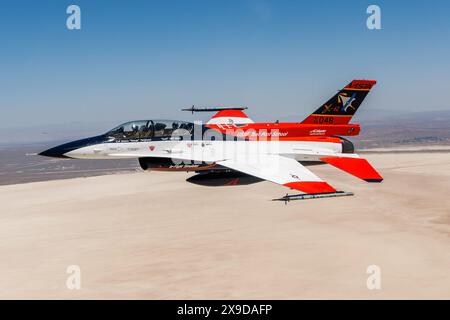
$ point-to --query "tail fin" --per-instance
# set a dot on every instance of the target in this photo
(343, 105)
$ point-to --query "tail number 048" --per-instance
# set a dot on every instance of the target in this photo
(323, 120)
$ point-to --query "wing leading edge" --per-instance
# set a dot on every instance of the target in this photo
(281, 170)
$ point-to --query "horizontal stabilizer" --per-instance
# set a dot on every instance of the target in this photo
(358, 167)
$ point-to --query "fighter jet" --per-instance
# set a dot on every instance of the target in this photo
(231, 142)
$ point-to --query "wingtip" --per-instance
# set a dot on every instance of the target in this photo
(311, 187)
(374, 180)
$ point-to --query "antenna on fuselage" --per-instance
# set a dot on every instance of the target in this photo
(211, 109)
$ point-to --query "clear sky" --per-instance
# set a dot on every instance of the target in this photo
(147, 59)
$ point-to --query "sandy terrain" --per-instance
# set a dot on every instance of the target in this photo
(153, 235)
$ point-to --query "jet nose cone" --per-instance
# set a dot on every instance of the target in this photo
(62, 150)
(56, 152)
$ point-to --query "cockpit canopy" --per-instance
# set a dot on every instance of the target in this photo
(151, 129)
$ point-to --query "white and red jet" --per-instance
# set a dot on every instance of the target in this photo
(231, 141)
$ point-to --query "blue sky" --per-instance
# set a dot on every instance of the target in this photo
(147, 59)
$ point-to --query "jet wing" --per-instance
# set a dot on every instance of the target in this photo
(281, 170)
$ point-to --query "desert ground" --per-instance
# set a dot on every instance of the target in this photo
(155, 236)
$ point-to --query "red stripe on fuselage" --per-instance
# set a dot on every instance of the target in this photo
(286, 131)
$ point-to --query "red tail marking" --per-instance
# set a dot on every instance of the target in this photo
(361, 84)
